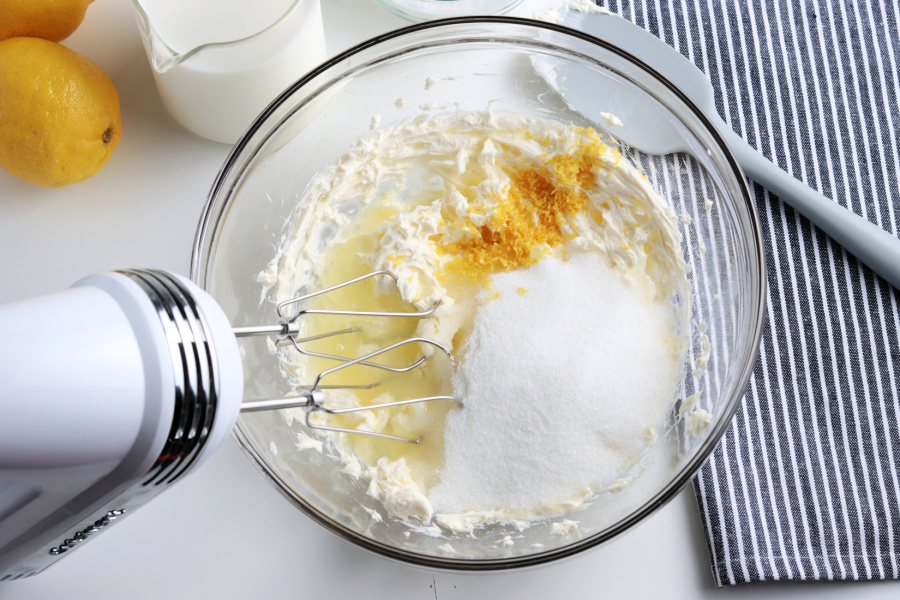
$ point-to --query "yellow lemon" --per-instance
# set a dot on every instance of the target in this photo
(53, 20)
(59, 113)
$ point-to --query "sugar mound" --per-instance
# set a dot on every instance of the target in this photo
(565, 376)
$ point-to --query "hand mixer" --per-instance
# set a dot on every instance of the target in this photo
(116, 388)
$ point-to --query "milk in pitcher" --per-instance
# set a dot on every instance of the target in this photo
(218, 63)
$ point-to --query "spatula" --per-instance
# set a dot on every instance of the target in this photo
(872, 245)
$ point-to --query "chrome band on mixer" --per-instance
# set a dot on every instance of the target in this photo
(194, 364)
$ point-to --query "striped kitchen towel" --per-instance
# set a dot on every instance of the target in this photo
(806, 482)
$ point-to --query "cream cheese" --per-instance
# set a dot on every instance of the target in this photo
(697, 422)
(413, 198)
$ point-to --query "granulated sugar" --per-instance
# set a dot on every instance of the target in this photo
(566, 376)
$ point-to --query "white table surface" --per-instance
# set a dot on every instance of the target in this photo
(224, 532)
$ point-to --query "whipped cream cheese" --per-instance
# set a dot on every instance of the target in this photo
(446, 202)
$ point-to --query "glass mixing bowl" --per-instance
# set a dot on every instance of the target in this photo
(486, 61)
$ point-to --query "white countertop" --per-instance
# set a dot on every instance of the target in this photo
(224, 532)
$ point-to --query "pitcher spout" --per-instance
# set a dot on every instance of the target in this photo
(162, 57)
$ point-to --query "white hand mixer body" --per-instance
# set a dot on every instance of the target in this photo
(112, 390)
(150, 384)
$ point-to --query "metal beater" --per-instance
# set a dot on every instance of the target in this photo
(311, 397)
(116, 388)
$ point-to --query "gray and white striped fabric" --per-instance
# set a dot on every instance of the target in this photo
(806, 483)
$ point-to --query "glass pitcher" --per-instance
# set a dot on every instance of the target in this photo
(218, 63)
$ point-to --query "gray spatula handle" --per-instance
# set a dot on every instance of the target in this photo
(872, 245)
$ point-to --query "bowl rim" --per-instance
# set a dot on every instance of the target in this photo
(214, 212)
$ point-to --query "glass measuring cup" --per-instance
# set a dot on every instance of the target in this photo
(218, 63)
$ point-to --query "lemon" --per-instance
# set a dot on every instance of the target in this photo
(53, 20)
(59, 113)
